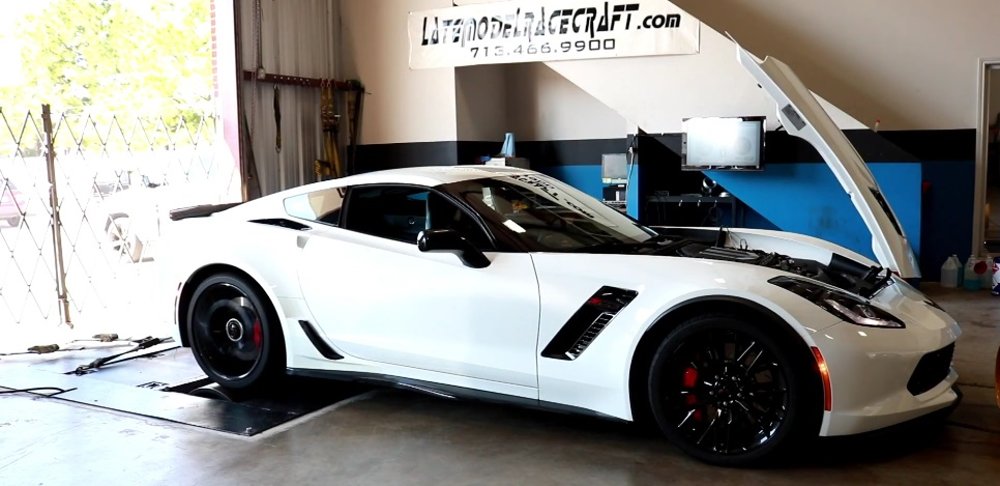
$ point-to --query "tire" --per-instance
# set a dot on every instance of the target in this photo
(730, 393)
(14, 221)
(235, 334)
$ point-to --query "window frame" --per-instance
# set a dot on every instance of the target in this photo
(476, 217)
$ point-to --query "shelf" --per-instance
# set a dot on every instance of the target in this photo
(301, 81)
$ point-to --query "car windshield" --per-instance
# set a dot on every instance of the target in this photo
(550, 215)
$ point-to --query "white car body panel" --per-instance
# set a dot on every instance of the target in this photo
(802, 116)
(425, 320)
(387, 302)
(866, 365)
(598, 377)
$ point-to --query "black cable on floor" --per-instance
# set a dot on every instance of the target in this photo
(34, 389)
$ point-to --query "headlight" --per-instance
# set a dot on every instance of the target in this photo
(846, 306)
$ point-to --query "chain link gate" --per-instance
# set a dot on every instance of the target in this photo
(85, 201)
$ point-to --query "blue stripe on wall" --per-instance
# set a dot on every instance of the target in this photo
(587, 178)
(806, 198)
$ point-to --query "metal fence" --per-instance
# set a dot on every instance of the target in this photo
(85, 201)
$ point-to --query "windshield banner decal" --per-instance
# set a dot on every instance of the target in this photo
(549, 30)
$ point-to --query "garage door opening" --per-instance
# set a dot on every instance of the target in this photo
(129, 130)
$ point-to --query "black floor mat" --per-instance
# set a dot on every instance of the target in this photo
(168, 385)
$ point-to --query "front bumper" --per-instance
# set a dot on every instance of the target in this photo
(872, 372)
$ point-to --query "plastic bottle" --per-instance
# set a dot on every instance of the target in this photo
(949, 272)
(986, 278)
(961, 269)
(970, 280)
(995, 287)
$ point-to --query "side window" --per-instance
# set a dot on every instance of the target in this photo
(396, 213)
(322, 206)
(401, 213)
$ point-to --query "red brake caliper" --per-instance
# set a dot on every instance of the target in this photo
(258, 333)
(689, 381)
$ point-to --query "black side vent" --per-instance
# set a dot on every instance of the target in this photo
(318, 342)
(284, 223)
(587, 322)
(932, 369)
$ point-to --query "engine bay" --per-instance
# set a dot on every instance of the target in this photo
(840, 272)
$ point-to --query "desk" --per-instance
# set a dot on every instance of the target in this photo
(693, 210)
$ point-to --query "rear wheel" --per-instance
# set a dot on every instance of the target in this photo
(14, 221)
(234, 333)
(726, 392)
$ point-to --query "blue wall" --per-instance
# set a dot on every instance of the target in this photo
(587, 178)
(797, 193)
(806, 198)
(802, 198)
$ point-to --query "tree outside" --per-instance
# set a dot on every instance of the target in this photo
(130, 85)
(142, 57)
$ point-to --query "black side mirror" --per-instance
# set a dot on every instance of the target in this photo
(451, 241)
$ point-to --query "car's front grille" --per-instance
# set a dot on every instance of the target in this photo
(931, 370)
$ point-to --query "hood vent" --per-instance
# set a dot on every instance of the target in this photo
(730, 254)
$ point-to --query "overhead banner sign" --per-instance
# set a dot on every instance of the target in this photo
(548, 30)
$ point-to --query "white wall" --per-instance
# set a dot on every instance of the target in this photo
(530, 100)
(543, 105)
(481, 102)
(402, 105)
(657, 93)
(553, 101)
(910, 63)
(912, 78)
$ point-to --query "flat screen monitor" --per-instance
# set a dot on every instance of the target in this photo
(614, 169)
(722, 143)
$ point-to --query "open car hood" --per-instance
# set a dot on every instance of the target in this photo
(803, 116)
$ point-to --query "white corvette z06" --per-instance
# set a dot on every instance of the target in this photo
(506, 284)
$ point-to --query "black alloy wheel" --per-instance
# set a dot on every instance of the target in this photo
(234, 333)
(726, 392)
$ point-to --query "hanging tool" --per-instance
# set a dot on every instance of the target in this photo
(355, 105)
(277, 119)
(251, 182)
(331, 166)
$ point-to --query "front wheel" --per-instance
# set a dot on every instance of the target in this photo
(122, 240)
(724, 391)
(234, 333)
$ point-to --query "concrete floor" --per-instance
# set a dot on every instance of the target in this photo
(393, 437)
